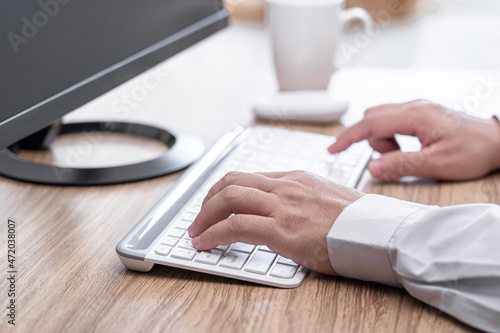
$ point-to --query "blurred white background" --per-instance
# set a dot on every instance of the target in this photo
(445, 34)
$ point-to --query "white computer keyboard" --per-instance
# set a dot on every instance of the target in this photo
(257, 149)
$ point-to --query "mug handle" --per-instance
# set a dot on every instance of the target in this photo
(347, 17)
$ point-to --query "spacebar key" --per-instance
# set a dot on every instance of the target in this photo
(261, 262)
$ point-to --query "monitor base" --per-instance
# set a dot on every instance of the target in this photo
(183, 151)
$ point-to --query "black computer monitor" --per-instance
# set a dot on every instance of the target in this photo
(56, 55)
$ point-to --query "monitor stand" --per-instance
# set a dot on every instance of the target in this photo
(183, 150)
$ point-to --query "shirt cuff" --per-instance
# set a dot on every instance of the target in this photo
(358, 240)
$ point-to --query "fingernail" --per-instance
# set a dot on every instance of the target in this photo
(196, 241)
(190, 230)
(377, 168)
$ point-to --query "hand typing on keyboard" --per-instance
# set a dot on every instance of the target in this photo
(454, 146)
(290, 212)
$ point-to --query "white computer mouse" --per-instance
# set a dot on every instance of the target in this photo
(301, 106)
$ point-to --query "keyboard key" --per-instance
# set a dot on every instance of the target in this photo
(338, 176)
(176, 232)
(234, 260)
(188, 216)
(183, 224)
(242, 247)
(283, 271)
(321, 168)
(170, 241)
(329, 158)
(181, 253)
(349, 160)
(262, 157)
(265, 248)
(186, 244)
(252, 167)
(357, 148)
(290, 167)
(260, 262)
(307, 153)
(218, 176)
(211, 257)
(198, 201)
(300, 164)
(287, 261)
(163, 250)
(193, 210)
(280, 158)
(222, 247)
(232, 165)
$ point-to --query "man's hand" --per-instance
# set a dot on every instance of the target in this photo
(454, 146)
(290, 212)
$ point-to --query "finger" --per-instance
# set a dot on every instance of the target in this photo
(232, 199)
(396, 164)
(252, 180)
(251, 229)
(378, 125)
(384, 145)
(337, 146)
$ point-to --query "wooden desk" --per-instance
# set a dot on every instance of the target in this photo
(71, 280)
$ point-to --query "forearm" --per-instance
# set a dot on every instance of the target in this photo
(446, 257)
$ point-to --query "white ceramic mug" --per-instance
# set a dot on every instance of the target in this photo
(305, 35)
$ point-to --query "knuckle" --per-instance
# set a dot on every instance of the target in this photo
(370, 111)
(415, 105)
(285, 184)
(230, 192)
(420, 106)
(290, 194)
(300, 175)
(230, 178)
(237, 224)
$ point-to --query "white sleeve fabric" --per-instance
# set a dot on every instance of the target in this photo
(446, 257)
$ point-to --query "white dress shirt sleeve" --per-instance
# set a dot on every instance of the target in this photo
(446, 257)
